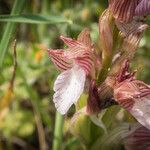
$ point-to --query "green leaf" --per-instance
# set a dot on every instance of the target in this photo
(34, 19)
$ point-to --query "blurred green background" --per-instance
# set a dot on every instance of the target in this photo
(27, 116)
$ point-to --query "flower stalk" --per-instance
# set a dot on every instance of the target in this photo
(58, 132)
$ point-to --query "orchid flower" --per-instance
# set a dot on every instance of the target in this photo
(125, 10)
(75, 63)
(133, 95)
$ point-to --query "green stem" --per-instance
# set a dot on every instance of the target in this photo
(17, 8)
(58, 132)
(105, 69)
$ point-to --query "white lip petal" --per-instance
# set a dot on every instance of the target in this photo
(68, 87)
(141, 111)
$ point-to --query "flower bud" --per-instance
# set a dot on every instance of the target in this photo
(106, 35)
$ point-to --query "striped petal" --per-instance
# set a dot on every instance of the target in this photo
(58, 58)
(134, 96)
(143, 8)
(123, 10)
(69, 41)
(68, 87)
(76, 51)
(132, 34)
(138, 140)
(131, 28)
(83, 57)
(86, 62)
(84, 37)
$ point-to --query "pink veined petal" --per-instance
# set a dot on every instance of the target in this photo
(123, 10)
(60, 60)
(76, 51)
(86, 63)
(133, 33)
(84, 37)
(68, 87)
(131, 28)
(143, 8)
(134, 96)
(83, 57)
(69, 41)
(138, 140)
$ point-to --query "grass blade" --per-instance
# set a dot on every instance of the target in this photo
(17, 8)
(34, 19)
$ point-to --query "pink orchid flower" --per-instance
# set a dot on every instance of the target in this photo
(75, 63)
(134, 96)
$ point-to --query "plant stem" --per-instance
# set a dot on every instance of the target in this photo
(58, 132)
(105, 69)
(17, 8)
